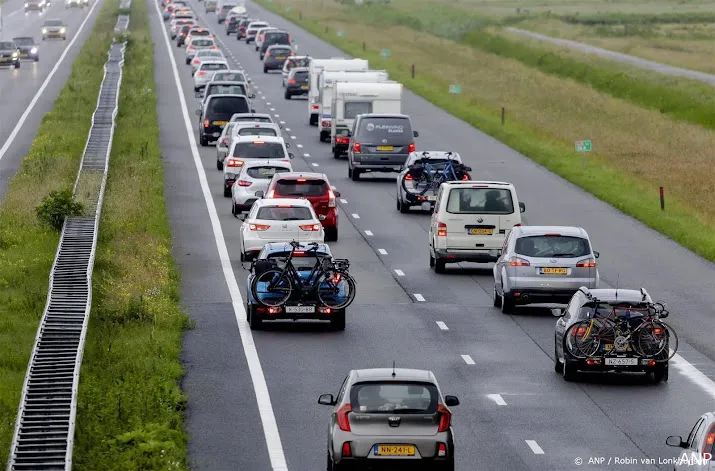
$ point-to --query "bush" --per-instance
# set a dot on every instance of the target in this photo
(57, 206)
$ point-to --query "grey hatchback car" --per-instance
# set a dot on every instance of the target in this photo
(543, 264)
(276, 56)
(390, 417)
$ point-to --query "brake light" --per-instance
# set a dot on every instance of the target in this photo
(441, 449)
(518, 262)
(301, 180)
(337, 277)
(441, 229)
(315, 107)
(325, 123)
(196, 62)
(408, 177)
(411, 148)
(356, 147)
(206, 123)
(445, 418)
(579, 331)
(259, 142)
(466, 177)
(213, 48)
(710, 441)
(587, 263)
(342, 140)
(234, 163)
(343, 421)
(347, 452)
(267, 54)
(331, 199)
(201, 74)
(310, 227)
(224, 140)
(191, 48)
(258, 227)
(244, 183)
(291, 80)
(298, 253)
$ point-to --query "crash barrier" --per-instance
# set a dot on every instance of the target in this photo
(44, 428)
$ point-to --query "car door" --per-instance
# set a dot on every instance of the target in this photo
(435, 215)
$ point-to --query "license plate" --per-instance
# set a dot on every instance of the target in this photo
(554, 271)
(607, 347)
(280, 58)
(434, 198)
(480, 231)
(304, 87)
(220, 123)
(385, 148)
(300, 309)
(394, 450)
(4, 59)
(622, 361)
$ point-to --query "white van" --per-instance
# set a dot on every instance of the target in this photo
(471, 221)
(326, 79)
(315, 67)
(352, 98)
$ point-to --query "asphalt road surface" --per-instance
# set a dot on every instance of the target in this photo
(475, 351)
(26, 94)
(620, 57)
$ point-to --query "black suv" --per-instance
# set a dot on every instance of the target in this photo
(380, 143)
(272, 38)
(9, 54)
(217, 112)
(298, 82)
(28, 48)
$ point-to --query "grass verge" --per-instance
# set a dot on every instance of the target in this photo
(637, 149)
(27, 248)
(130, 406)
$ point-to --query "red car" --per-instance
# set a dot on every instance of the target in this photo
(314, 187)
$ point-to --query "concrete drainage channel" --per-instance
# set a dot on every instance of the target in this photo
(44, 431)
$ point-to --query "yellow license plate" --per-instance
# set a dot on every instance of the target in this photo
(281, 58)
(554, 271)
(304, 87)
(607, 347)
(394, 450)
(220, 123)
(480, 231)
(385, 148)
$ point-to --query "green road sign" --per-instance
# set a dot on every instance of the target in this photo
(583, 146)
(341, 33)
(289, 8)
(455, 89)
(385, 53)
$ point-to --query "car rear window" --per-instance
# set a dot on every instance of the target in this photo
(227, 106)
(277, 213)
(202, 43)
(301, 187)
(257, 132)
(209, 53)
(265, 172)
(480, 201)
(280, 51)
(304, 261)
(201, 32)
(394, 397)
(257, 119)
(556, 246)
(273, 37)
(230, 76)
(217, 66)
(237, 89)
(227, 8)
(392, 129)
(602, 310)
(259, 150)
(301, 75)
(354, 108)
(304, 62)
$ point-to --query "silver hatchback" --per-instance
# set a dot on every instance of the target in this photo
(543, 264)
(390, 417)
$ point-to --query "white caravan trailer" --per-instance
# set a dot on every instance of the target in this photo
(316, 65)
(351, 99)
(326, 79)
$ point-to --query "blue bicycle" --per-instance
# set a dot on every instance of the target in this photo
(426, 176)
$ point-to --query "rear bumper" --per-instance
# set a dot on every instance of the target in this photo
(329, 219)
(379, 162)
(298, 91)
(582, 365)
(425, 464)
(540, 295)
(454, 256)
(273, 65)
(321, 313)
(414, 198)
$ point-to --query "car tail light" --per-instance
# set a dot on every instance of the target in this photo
(518, 262)
(291, 80)
(331, 199)
(658, 331)
(271, 194)
(342, 140)
(710, 442)
(196, 62)
(441, 229)
(244, 183)
(234, 163)
(206, 123)
(343, 421)
(258, 227)
(213, 48)
(587, 263)
(310, 227)
(441, 449)
(201, 74)
(408, 177)
(580, 331)
(224, 140)
(191, 48)
(299, 253)
(325, 123)
(411, 148)
(356, 147)
(445, 418)
(466, 177)
(346, 451)
(314, 107)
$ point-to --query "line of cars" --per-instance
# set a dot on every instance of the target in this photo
(14, 51)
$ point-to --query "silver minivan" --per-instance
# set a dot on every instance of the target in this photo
(543, 264)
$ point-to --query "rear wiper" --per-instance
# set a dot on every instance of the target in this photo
(292, 219)
(409, 411)
(570, 255)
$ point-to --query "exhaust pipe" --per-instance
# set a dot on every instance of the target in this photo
(524, 297)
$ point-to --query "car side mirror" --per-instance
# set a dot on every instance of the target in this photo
(336, 193)
(259, 193)
(451, 401)
(596, 254)
(287, 144)
(198, 94)
(198, 112)
(557, 312)
(290, 155)
(252, 96)
(522, 207)
(676, 441)
(326, 400)
(415, 134)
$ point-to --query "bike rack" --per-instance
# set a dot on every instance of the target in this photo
(45, 424)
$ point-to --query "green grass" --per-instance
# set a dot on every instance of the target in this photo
(130, 406)
(27, 248)
(624, 191)
(639, 19)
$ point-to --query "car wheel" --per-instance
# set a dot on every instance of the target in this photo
(248, 313)
(234, 208)
(336, 154)
(256, 48)
(558, 366)
(265, 70)
(203, 141)
(331, 234)
(659, 374)
(497, 298)
(256, 321)
(439, 265)
(448, 466)
(219, 164)
(569, 372)
(404, 208)
(188, 61)
(17, 64)
(37, 59)
(227, 192)
(287, 95)
(507, 304)
(354, 174)
(337, 321)
(431, 260)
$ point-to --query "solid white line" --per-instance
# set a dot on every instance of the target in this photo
(343, 200)
(368, 233)
(468, 360)
(314, 164)
(419, 297)
(356, 216)
(442, 325)
(693, 374)
(36, 98)
(382, 251)
(265, 407)
(534, 447)
(497, 398)
(400, 273)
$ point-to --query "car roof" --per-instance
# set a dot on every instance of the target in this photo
(255, 124)
(257, 115)
(54, 19)
(384, 115)
(225, 82)
(283, 201)
(477, 182)
(435, 154)
(295, 175)
(401, 374)
(561, 230)
(213, 61)
(273, 247)
(276, 139)
(23, 37)
(279, 46)
(265, 163)
(610, 295)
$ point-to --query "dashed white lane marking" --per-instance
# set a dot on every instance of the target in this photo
(281, 122)
(419, 297)
(314, 164)
(497, 398)
(442, 325)
(260, 386)
(268, 104)
(400, 273)
(343, 200)
(369, 233)
(306, 155)
(468, 360)
(693, 374)
(287, 129)
(276, 116)
(534, 447)
(293, 137)
(355, 215)
(382, 251)
(299, 146)
(273, 109)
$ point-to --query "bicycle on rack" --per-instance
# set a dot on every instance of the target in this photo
(427, 176)
(640, 330)
(328, 281)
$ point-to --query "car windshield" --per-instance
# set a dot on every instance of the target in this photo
(394, 397)
(227, 8)
(230, 76)
(259, 150)
(265, 172)
(53, 23)
(24, 41)
(393, 129)
(553, 246)
(619, 310)
(304, 62)
(301, 76)
(480, 200)
(257, 132)
(303, 262)
(228, 105)
(237, 89)
(301, 187)
(7, 45)
(202, 43)
(290, 213)
(214, 66)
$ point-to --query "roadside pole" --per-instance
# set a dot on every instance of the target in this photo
(583, 147)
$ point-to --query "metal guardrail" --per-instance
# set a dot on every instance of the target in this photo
(45, 424)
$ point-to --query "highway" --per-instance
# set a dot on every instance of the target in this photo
(26, 94)
(516, 413)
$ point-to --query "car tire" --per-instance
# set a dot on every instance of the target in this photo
(569, 372)
(256, 48)
(188, 61)
(43, 38)
(354, 174)
(233, 211)
(336, 154)
(439, 265)
(287, 95)
(265, 70)
(37, 58)
(337, 321)
(17, 65)
(431, 260)
(219, 165)
(227, 192)
(497, 298)
(256, 321)
(331, 234)
(558, 366)
(203, 141)
(64, 38)
(659, 374)
(404, 208)
(448, 466)
(507, 304)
